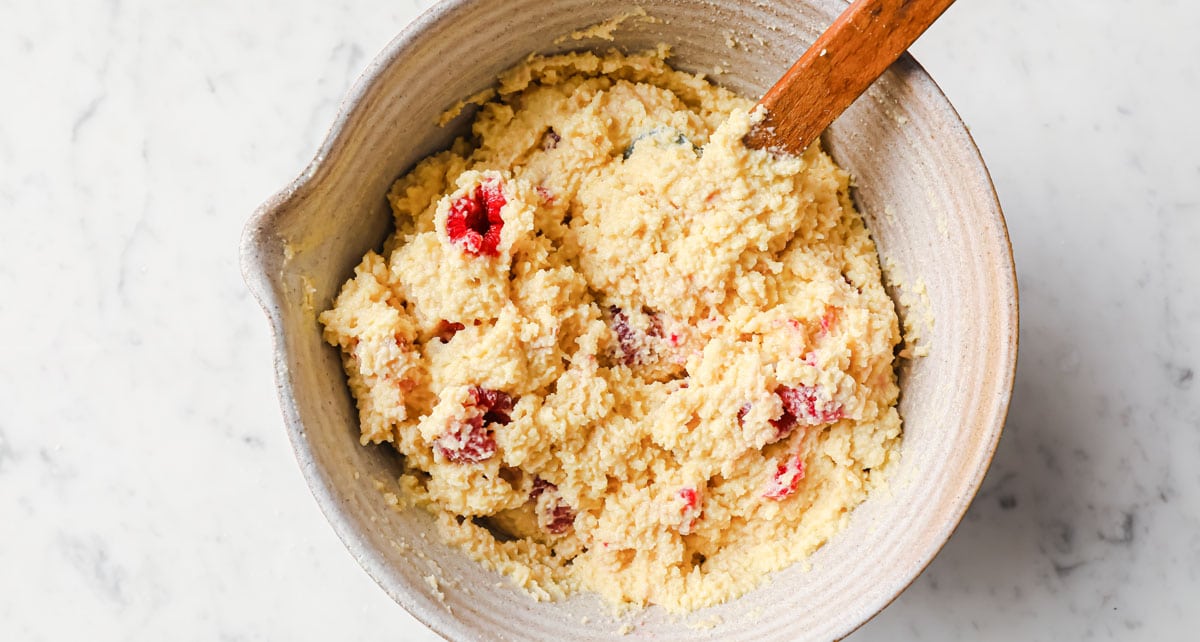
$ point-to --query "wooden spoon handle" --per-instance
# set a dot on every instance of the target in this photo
(841, 64)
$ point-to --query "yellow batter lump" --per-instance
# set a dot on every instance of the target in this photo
(618, 350)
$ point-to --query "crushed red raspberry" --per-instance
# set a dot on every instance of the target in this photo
(560, 519)
(786, 479)
(474, 221)
(472, 440)
(550, 139)
(467, 442)
(802, 406)
(655, 330)
(626, 335)
(690, 512)
(806, 405)
(405, 385)
(554, 514)
(631, 341)
(446, 330)
(784, 426)
(828, 319)
(742, 412)
(545, 193)
(496, 405)
(539, 486)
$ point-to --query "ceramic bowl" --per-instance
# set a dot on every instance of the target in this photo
(928, 202)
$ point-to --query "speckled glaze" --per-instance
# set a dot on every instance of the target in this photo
(927, 199)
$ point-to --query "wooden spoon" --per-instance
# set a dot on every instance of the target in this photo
(837, 68)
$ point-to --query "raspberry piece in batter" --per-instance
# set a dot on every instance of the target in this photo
(786, 479)
(803, 406)
(690, 512)
(472, 441)
(554, 514)
(474, 221)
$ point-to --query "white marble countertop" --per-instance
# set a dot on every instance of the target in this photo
(147, 488)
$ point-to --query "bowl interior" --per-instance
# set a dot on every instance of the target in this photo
(920, 184)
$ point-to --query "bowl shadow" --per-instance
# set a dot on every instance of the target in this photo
(1046, 520)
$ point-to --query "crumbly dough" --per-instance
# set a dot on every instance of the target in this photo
(660, 370)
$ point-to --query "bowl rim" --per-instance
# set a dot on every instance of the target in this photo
(1011, 346)
(256, 265)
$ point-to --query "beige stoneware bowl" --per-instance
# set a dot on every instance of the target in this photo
(928, 202)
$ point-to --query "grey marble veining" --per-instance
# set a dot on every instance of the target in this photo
(147, 490)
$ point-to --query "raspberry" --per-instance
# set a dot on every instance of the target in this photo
(655, 330)
(467, 442)
(553, 513)
(828, 319)
(742, 412)
(690, 512)
(472, 441)
(550, 139)
(539, 486)
(807, 407)
(786, 479)
(784, 426)
(803, 407)
(634, 346)
(626, 336)
(446, 329)
(474, 220)
(545, 193)
(404, 385)
(496, 405)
